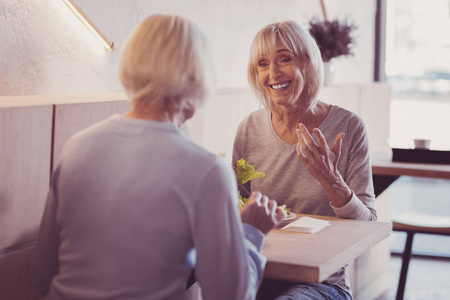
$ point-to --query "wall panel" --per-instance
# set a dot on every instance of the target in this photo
(25, 143)
(73, 117)
(15, 275)
(375, 111)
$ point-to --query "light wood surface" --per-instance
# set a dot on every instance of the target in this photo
(420, 204)
(314, 257)
(382, 164)
(422, 223)
(33, 100)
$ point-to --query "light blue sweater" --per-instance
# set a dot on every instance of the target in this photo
(133, 206)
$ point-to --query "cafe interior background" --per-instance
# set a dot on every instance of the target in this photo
(57, 78)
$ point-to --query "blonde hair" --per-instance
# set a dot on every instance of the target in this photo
(162, 63)
(301, 44)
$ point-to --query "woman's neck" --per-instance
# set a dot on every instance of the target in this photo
(290, 117)
(155, 113)
(286, 120)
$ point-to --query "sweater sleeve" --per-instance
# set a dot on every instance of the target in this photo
(358, 177)
(229, 265)
(46, 256)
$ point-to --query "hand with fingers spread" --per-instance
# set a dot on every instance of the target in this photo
(321, 162)
(261, 213)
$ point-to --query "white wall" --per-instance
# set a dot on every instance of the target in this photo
(44, 50)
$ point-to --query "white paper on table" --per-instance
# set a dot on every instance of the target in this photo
(306, 225)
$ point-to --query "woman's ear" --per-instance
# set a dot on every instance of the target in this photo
(188, 109)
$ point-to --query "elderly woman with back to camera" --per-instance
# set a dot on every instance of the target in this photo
(134, 204)
(315, 155)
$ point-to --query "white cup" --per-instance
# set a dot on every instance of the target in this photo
(422, 144)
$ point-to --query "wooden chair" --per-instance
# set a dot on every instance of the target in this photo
(413, 222)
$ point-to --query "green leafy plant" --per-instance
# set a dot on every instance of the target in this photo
(246, 172)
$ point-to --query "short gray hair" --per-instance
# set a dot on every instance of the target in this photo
(162, 61)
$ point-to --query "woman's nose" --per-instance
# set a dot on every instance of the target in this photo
(274, 71)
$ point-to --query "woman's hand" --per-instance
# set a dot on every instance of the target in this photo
(319, 159)
(261, 212)
(321, 162)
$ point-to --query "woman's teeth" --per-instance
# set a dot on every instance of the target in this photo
(280, 86)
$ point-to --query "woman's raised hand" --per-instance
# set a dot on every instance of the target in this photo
(320, 160)
(261, 212)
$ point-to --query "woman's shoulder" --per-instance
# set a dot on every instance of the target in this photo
(255, 124)
(203, 163)
(342, 120)
(340, 114)
(89, 135)
(256, 117)
(198, 156)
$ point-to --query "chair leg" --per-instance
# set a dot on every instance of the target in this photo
(406, 257)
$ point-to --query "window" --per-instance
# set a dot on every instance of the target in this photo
(417, 65)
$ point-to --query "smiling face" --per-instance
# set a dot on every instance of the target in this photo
(280, 74)
(285, 67)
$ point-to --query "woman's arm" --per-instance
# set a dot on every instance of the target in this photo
(229, 263)
(322, 163)
(46, 256)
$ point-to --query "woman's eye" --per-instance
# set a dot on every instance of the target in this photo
(285, 60)
(263, 64)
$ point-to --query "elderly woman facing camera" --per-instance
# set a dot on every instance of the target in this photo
(315, 155)
(134, 204)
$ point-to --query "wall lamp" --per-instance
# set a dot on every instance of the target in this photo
(109, 45)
